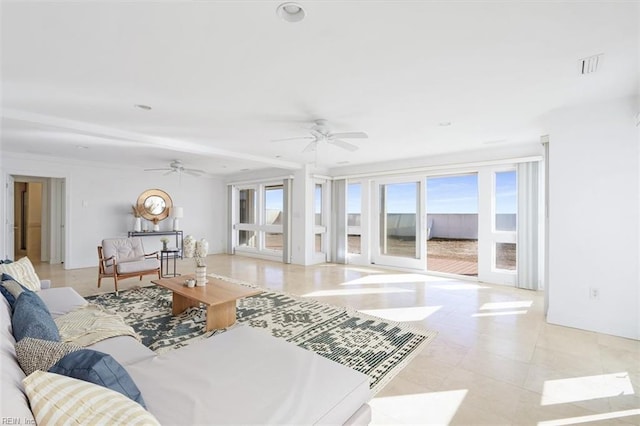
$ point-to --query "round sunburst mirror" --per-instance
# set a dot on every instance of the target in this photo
(154, 204)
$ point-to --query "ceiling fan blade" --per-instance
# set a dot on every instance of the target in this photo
(157, 170)
(193, 172)
(342, 144)
(349, 135)
(311, 147)
(292, 139)
(170, 172)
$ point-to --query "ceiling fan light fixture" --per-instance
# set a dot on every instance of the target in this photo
(291, 12)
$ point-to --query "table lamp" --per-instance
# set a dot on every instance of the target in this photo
(177, 213)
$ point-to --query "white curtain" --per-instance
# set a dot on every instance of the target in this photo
(340, 220)
(230, 219)
(529, 215)
(286, 220)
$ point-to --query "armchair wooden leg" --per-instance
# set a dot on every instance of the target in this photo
(115, 282)
(99, 281)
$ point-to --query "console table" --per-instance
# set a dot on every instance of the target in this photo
(177, 234)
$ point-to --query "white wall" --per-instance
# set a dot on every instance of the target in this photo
(594, 176)
(99, 199)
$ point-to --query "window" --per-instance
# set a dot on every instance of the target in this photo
(273, 211)
(321, 214)
(505, 219)
(354, 217)
(258, 226)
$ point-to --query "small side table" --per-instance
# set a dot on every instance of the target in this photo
(165, 255)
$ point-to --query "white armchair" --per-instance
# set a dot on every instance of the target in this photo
(121, 258)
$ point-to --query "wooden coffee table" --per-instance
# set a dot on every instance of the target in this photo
(219, 297)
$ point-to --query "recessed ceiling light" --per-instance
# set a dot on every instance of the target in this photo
(82, 147)
(244, 170)
(291, 12)
(142, 106)
(444, 123)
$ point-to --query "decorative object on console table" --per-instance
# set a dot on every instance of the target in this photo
(156, 225)
(201, 272)
(165, 242)
(177, 213)
(202, 248)
(137, 225)
(189, 246)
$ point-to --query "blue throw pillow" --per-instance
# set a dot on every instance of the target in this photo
(7, 295)
(31, 318)
(7, 261)
(99, 368)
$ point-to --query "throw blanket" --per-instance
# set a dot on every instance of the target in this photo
(90, 324)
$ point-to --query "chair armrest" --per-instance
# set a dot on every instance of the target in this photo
(44, 284)
(154, 254)
(104, 260)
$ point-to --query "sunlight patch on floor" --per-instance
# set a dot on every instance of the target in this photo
(357, 291)
(591, 418)
(498, 314)
(437, 408)
(585, 388)
(393, 278)
(461, 286)
(507, 305)
(416, 313)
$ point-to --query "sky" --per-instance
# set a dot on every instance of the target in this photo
(446, 194)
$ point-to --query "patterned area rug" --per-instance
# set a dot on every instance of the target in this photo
(371, 345)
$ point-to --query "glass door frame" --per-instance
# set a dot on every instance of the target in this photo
(419, 261)
(259, 227)
(488, 236)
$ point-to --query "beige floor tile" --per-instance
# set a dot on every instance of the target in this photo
(481, 369)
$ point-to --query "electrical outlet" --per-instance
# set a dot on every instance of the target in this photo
(594, 293)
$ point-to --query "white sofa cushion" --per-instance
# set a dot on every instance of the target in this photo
(125, 349)
(281, 383)
(61, 300)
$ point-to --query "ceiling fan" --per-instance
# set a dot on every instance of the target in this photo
(321, 132)
(176, 166)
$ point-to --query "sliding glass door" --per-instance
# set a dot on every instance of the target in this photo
(452, 224)
(400, 231)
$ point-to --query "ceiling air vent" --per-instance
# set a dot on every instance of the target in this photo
(590, 64)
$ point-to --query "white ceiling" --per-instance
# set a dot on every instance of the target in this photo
(226, 77)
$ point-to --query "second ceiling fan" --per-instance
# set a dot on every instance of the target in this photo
(321, 132)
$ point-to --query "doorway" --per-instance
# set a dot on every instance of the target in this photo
(27, 213)
(35, 218)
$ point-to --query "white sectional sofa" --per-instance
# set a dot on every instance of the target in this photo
(242, 376)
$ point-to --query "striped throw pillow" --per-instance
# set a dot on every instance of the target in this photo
(57, 399)
(23, 272)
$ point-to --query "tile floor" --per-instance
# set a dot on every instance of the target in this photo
(495, 361)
